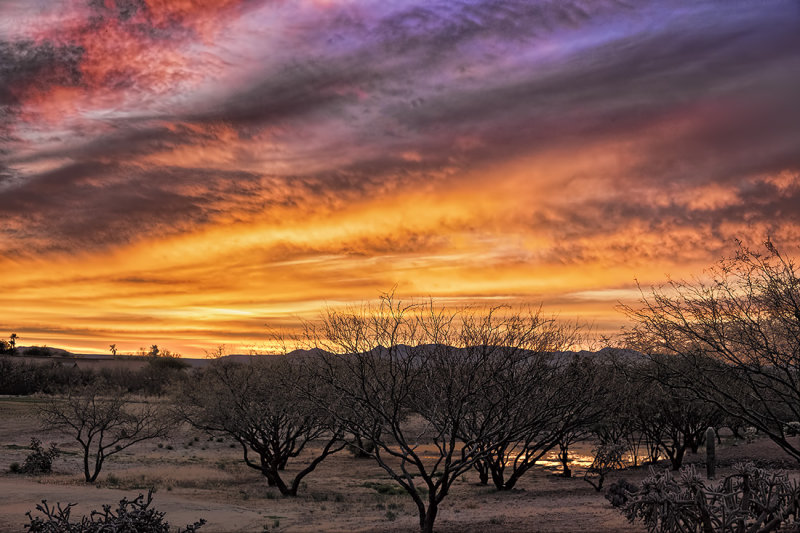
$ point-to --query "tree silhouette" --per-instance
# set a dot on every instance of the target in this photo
(12, 340)
(260, 406)
(381, 366)
(104, 422)
(113, 348)
(732, 340)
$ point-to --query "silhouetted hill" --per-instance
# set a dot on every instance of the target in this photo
(49, 353)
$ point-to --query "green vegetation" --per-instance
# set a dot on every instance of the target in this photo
(387, 489)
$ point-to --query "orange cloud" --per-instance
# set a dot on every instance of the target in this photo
(185, 172)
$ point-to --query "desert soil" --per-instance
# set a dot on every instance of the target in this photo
(197, 476)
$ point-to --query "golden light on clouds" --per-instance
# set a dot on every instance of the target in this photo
(191, 174)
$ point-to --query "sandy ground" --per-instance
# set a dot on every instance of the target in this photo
(201, 477)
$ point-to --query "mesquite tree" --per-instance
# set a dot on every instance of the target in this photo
(104, 422)
(676, 423)
(548, 398)
(407, 377)
(623, 407)
(655, 412)
(737, 337)
(260, 405)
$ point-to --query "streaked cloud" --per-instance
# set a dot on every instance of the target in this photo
(187, 171)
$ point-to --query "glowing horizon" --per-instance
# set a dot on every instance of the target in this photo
(190, 173)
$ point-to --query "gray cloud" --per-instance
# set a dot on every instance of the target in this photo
(363, 89)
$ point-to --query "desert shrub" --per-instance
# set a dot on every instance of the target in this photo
(792, 429)
(607, 458)
(749, 499)
(131, 516)
(20, 377)
(37, 351)
(620, 492)
(40, 460)
(387, 489)
(168, 362)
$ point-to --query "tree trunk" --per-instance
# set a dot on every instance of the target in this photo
(274, 480)
(86, 473)
(427, 519)
(498, 476)
(600, 481)
(483, 472)
(515, 476)
(563, 456)
(676, 458)
(91, 476)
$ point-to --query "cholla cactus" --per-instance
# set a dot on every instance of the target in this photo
(749, 500)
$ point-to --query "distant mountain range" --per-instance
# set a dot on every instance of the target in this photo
(41, 352)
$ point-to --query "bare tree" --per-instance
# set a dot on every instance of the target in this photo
(220, 351)
(524, 386)
(737, 336)
(259, 405)
(653, 411)
(104, 422)
(673, 421)
(623, 407)
(548, 398)
(409, 376)
(113, 349)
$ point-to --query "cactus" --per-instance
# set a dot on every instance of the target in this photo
(711, 452)
(748, 499)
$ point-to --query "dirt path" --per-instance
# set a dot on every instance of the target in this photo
(557, 506)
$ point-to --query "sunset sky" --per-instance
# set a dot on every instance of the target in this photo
(189, 173)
